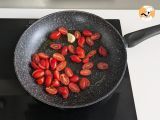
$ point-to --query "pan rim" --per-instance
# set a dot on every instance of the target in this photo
(76, 106)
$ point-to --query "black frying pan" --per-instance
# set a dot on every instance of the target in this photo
(103, 84)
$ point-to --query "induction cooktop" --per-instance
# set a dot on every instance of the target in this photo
(17, 104)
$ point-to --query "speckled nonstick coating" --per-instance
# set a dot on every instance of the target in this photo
(103, 83)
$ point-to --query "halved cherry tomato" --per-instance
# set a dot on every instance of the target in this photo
(48, 80)
(77, 34)
(71, 49)
(89, 41)
(34, 65)
(43, 55)
(51, 90)
(95, 36)
(64, 92)
(68, 72)
(47, 64)
(74, 78)
(42, 64)
(38, 73)
(53, 63)
(56, 46)
(91, 53)
(88, 65)
(56, 74)
(40, 81)
(81, 41)
(87, 33)
(55, 35)
(64, 79)
(85, 72)
(75, 58)
(80, 52)
(86, 60)
(64, 50)
(102, 66)
(63, 30)
(35, 58)
(102, 51)
(84, 83)
(74, 87)
(58, 57)
(48, 73)
(61, 66)
(55, 83)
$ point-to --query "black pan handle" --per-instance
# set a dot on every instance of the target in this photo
(134, 38)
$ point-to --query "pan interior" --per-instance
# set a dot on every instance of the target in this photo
(35, 40)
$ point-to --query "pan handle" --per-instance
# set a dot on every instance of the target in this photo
(134, 38)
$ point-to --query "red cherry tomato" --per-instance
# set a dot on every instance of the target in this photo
(80, 52)
(64, 50)
(81, 41)
(55, 35)
(87, 33)
(63, 30)
(75, 58)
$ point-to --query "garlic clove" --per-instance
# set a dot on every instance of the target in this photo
(71, 38)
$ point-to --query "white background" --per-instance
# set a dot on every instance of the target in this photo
(143, 60)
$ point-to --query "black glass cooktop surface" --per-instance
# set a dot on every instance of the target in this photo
(17, 104)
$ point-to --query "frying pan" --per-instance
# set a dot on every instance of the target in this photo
(103, 83)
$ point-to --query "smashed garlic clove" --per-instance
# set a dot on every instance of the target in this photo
(71, 38)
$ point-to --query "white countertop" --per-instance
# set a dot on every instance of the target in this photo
(143, 60)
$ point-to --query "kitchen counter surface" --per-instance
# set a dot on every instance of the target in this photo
(78, 4)
(143, 60)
